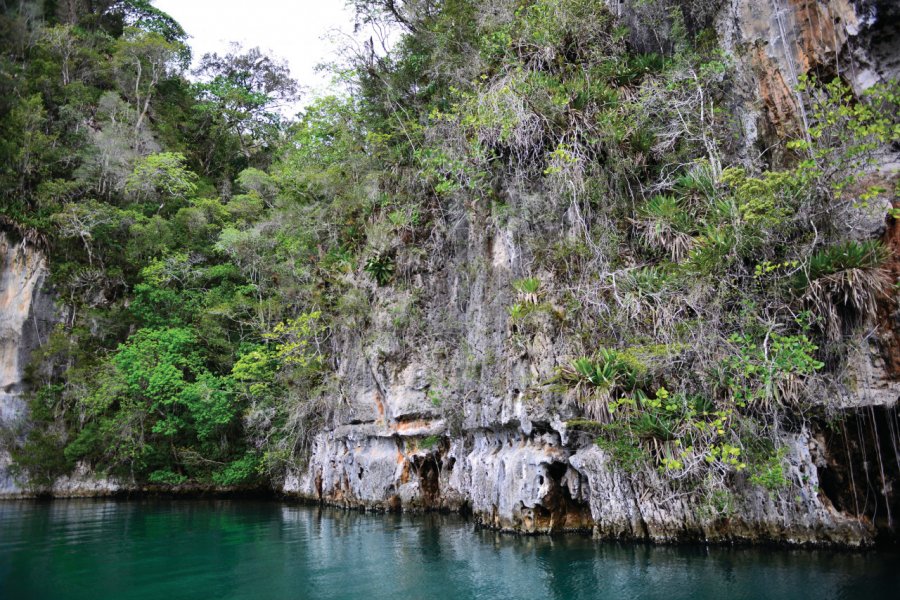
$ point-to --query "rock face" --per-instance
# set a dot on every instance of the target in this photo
(777, 41)
(444, 421)
(26, 313)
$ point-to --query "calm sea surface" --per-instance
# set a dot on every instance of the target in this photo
(260, 550)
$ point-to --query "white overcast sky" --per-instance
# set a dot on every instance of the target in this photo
(288, 29)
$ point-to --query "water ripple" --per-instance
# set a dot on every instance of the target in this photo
(261, 550)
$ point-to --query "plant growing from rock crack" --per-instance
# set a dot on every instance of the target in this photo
(842, 283)
(662, 223)
(518, 311)
(428, 442)
(770, 474)
(595, 378)
(529, 288)
(380, 267)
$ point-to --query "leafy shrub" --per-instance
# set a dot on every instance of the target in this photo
(769, 370)
(626, 453)
(847, 131)
(243, 471)
(41, 458)
(167, 477)
(770, 473)
(297, 341)
(428, 442)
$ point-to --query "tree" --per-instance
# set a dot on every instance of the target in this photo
(299, 340)
(156, 395)
(327, 152)
(241, 94)
(251, 250)
(406, 13)
(253, 71)
(63, 42)
(27, 143)
(142, 15)
(141, 60)
(162, 178)
(113, 150)
(82, 220)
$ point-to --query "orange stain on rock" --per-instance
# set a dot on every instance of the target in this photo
(404, 474)
(778, 101)
(416, 424)
(379, 405)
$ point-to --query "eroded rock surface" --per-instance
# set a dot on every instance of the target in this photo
(25, 316)
(403, 441)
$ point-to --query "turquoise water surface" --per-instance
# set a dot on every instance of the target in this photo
(257, 550)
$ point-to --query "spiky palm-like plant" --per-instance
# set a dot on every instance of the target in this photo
(662, 224)
(529, 288)
(380, 267)
(843, 283)
(596, 378)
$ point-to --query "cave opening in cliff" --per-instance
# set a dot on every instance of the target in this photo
(428, 469)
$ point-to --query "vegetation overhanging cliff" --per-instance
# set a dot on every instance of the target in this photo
(563, 264)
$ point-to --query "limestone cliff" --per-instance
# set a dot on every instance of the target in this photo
(451, 421)
(440, 399)
(25, 313)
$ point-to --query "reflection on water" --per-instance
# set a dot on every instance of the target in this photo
(260, 550)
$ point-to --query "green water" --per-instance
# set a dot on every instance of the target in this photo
(261, 550)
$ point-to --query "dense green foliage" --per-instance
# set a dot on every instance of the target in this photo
(208, 250)
(143, 186)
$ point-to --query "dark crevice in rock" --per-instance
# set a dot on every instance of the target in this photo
(558, 510)
(414, 416)
(862, 474)
(428, 470)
